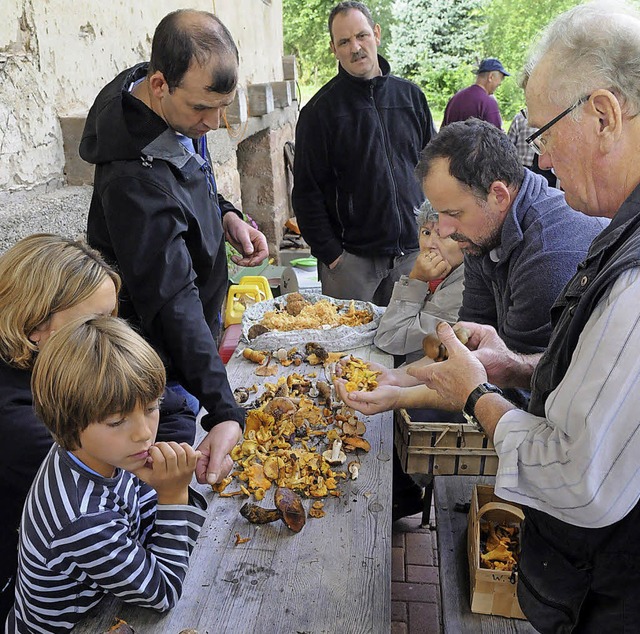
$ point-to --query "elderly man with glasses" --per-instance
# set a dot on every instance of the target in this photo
(572, 459)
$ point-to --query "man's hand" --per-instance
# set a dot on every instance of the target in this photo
(455, 378)
(250, 242)
(382, 399)
(429, 266)
(215, 462)
(503, 366)
(169, 471)
(387, 376)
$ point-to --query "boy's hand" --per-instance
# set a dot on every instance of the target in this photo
(429, 266)
(169, 471)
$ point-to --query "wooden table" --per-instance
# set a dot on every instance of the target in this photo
(457, 617)
(333, 576)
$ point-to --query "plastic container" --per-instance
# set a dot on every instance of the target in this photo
(261, 282)
(229, 343)
(235, 308)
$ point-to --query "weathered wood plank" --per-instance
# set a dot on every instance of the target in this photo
(454, 571)
(260, 99)
(236, 113)
(289, 67)
(283, 93)
(333, 576)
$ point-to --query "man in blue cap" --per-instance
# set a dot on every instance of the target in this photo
(477, 100)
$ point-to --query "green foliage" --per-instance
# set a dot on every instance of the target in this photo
(435, 44)
(305, 36)
(512, 26)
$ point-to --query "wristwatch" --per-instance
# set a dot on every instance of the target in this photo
(469, 410)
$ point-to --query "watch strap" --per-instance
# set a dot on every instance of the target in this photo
(469, 409)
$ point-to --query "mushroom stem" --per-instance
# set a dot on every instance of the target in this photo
(335, 450)
(258, 514)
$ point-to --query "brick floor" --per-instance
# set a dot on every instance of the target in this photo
(415, 587)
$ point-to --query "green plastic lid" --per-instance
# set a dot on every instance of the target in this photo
(305, 262)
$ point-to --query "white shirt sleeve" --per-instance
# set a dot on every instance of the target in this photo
(581, 463)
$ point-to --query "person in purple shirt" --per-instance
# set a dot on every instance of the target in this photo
(477, 100)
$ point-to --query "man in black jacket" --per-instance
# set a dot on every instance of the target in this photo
(357, 143)
(157, 215)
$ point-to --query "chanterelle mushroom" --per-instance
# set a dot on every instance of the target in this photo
(288, 508)
(335, 455)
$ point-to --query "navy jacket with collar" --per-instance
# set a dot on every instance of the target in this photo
(153, 215)
(357, 145)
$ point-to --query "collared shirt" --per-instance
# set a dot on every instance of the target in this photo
(519, 130)
(580, 462)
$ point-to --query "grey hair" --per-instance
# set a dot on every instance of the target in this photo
(594, 45)
(425, 214)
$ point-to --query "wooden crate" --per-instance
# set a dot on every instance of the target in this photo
(442, 448)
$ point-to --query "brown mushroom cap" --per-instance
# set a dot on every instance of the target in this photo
(432, 347)
(356, 442)
(279, 406)
(290, 506)
(354, 427)
(462, 333)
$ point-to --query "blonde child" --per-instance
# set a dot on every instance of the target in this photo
(110, 511)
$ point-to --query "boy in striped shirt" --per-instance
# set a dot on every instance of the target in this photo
(109, 512)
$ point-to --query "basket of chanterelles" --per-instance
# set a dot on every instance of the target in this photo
(299, 442)
(493, 547)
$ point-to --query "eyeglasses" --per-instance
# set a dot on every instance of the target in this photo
(535, 142)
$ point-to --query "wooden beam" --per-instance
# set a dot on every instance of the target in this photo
(236, 113)
(260, 99)
(289, 67)
(283, 93)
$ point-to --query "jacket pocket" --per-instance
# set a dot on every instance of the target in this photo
(550, 589)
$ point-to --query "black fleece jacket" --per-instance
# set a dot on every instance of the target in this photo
(357, 145)
(153, 216)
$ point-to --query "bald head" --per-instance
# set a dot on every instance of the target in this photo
(188, 37)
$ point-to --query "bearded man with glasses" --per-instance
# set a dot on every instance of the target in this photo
(572, 459)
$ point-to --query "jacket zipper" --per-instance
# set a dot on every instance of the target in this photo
(390, 166)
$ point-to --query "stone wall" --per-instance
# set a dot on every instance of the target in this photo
(54, 58)
(55, 55)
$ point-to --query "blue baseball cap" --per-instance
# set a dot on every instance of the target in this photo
(489, 64)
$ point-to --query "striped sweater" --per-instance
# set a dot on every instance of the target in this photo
(83, 536)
